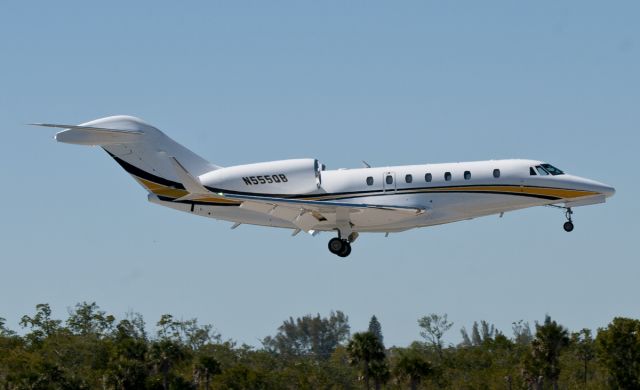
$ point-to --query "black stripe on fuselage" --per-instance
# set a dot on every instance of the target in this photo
(195, 202)
(432, 190)
(132, 169)
(400, 191)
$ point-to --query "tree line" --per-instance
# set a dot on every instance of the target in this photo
(91, 349)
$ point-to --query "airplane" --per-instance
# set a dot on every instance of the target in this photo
(302, 195)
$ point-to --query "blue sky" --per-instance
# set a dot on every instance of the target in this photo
(388, 82)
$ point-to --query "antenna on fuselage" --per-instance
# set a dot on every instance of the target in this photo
(366, 164)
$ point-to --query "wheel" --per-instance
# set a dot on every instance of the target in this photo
(346, 251)
(336, 245)
(568, 226)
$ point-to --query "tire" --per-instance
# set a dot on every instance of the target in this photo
(346, 251)
(568, 226)
(336, 245)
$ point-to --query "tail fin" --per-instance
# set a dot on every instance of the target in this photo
(141, 149)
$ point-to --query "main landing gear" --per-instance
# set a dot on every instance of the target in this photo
(340, 246)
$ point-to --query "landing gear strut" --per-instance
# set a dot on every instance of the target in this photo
(568, 226)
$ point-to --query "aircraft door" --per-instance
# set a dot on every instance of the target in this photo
(389, 181)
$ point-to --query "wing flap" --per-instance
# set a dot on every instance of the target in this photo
(324, 206)
(303, 218)
(308, 214)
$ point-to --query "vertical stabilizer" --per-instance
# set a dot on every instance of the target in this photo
(141, 149)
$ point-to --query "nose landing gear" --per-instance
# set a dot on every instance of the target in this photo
(568, 226)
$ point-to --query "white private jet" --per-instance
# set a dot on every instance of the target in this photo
(301, 195)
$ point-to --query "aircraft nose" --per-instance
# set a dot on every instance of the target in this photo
(608, 191)
(600, 188)
(592, 185)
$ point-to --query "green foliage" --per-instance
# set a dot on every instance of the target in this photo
(367, 353)
(87, 319)
(41, 324)
(412, 366)
(164, 354)
(243, 377)
(434, 326)
(583, 347)
(310, 336)
(522, 333)
(376, 328)
(619, 350)
(4, 331)
(543, 361)
(186, 332)
(493, 364)
(91, 349)
(479, 334)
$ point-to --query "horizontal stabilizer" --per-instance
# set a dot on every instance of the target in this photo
(88, 128)
(90, 135)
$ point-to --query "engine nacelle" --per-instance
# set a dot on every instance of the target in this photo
(286, 177)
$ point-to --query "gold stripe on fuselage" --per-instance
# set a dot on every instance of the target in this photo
(541, 191)
(175, 193)
(560, 193)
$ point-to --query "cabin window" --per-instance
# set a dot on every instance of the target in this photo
(408, 178)
(496, 173)
(541, 171)
(532, 171)
(369, 181)
(467, 175)
(389, 179)
(447, 176)
(428, 177)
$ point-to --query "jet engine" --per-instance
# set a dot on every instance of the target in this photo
(283, 177)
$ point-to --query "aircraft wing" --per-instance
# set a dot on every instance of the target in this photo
(307, 214)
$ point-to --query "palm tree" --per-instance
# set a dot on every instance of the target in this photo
(164, 354)
(584, 350)
(207, 366)
(366, 352)
(414, 366)
(551, 338)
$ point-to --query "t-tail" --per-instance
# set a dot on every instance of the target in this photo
(156, 161)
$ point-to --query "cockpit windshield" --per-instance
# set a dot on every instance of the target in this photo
(541, 171)
(552, 170)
